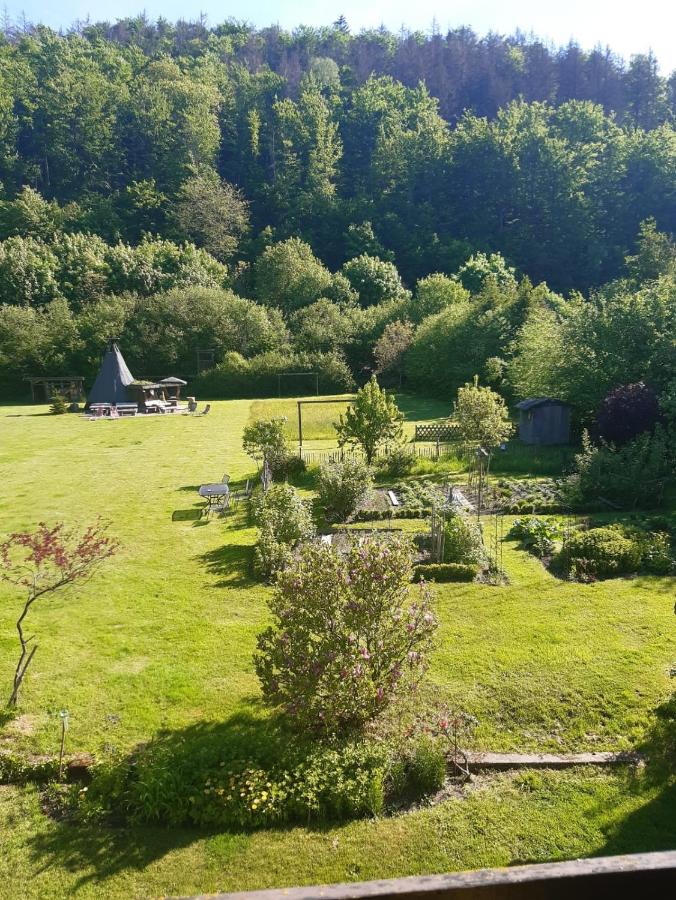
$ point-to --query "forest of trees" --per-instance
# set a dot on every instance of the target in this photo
(335, 200)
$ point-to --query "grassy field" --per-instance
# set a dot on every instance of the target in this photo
(162, 639)
(319, 418)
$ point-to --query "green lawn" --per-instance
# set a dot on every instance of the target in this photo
(162, 639)
(319, 418)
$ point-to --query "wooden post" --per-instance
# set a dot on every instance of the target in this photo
(300, 430)
(317, 383)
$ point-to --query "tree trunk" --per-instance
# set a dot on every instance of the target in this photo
(25, 657)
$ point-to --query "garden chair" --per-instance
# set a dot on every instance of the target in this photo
(245, 494)
(225, 479)
(216, 505)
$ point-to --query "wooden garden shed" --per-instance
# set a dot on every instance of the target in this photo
(543, 420)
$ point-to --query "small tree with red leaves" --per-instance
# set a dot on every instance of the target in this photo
(43, 561)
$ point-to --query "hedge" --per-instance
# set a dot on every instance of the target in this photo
(382, 515)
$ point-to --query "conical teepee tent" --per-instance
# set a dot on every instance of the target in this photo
(111, 382)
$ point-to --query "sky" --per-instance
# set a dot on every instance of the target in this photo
(626, 26)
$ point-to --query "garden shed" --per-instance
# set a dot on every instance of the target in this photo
(543, 420)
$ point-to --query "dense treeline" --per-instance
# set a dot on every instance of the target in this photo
(328, 202)
(463, 71)
(346, 141)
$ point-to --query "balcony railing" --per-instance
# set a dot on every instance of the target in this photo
(642, 876)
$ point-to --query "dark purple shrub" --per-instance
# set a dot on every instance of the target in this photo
(627, 411)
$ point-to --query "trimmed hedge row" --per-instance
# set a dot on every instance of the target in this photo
(381, 515)
(445, 572)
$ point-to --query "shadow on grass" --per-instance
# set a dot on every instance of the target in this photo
(101, 852)
(422, 409)
(187, 515)
(531, 460)
(6, 716)
(176, 764)
(232, 564)
(653, 825)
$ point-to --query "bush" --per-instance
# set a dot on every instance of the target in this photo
(627, 411)
(601, 553)
(420, 770)
(346, 636)
(342, 486)
(265, 439)
(284, 520)
(538, 535)
(463, 542)
(289, 466)
(59, 405)
(629, 475)
(446, 572)
(655, 550)
(221, 787)
(398, 463)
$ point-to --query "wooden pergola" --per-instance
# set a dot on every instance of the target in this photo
(69, 386)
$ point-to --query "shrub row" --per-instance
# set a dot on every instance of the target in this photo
(444, 572)
(380, 515)
(536, 505)
(354, 780)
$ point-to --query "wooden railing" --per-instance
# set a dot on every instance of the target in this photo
(641, 875)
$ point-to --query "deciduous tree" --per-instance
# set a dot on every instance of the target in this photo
(371, 421)
(482, 416)
(42, 562)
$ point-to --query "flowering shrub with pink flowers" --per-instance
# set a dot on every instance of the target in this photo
(349, 633)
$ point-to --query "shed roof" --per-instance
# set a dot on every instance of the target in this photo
(533, 402)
